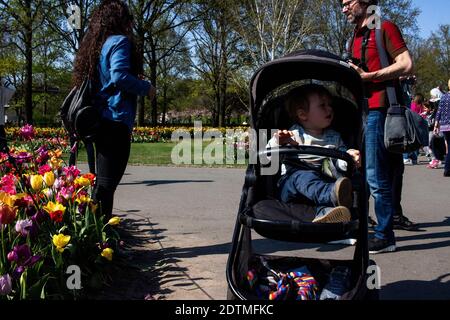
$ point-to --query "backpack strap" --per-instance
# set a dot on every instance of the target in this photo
(392, 96)
(365, 42)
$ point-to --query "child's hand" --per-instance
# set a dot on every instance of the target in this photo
(356, 156)
(284, 137)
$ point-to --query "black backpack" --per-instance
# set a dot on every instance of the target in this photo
(79, 114)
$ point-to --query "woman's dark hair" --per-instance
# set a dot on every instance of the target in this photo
(111, 17)
(298, 98)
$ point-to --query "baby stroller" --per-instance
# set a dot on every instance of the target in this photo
(279, 222)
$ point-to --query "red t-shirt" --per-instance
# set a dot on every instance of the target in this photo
(394, 45)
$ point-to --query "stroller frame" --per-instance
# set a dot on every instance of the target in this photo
(302, 65)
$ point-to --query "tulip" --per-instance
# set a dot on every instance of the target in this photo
(59, 183)
(21, 254)
(6, 199)
(12, 256)
(60, 241)
(52, 207)
(114, 221)
(107, 254)
(5, 285)
(48, 192)
(23, 227)
(27, 132)
(36, 182)
(7, 214)
(55, 210)
(49, 178)
(84, 182)
(45, 168)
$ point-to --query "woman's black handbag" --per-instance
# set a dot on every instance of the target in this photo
(80, 115)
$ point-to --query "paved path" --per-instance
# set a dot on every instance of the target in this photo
(189, 213)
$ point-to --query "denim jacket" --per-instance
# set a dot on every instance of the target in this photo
(119, 88)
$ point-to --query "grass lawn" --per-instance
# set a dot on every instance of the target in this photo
(160, 154)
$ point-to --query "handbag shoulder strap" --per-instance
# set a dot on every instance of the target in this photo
(392, 96)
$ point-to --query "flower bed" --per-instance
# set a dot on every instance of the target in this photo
(49, 226)
(59, 139)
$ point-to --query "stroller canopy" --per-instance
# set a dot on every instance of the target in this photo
(301, 65)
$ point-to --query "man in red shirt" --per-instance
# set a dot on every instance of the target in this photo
(381, 166)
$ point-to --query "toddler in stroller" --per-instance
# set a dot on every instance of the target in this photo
(317, 179)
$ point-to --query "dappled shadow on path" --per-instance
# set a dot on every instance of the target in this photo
(150, 183)
(438, 289)
(146, 270)
(139, 264)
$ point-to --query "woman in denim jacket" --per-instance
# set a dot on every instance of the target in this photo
(108, 55)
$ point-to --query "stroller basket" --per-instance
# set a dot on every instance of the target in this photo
(298, 231)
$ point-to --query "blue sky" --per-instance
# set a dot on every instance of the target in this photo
(434, 13)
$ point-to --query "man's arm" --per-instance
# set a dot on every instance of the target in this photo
(402, 66)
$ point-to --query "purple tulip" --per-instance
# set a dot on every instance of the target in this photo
(39, 217)
(27, 132)
(23, 227)
(21, 254)
(5, 285)
(12, 256)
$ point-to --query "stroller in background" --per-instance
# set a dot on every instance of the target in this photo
(272, 220)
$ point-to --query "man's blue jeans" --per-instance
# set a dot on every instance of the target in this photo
(308, 184)
(378, 177)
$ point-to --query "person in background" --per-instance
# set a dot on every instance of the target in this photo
(417, 107)
(442, 124)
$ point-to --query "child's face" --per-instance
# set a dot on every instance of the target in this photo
(320, 114)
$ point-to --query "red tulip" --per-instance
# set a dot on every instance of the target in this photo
(7, 214)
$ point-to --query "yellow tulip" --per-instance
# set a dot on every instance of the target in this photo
(60, 241)
(83, 199)
(49, 178)
(36, 182)
(55, 162)
(114, 221)
(6, 199)
(53, 207)
(108, 254)
(83, 181)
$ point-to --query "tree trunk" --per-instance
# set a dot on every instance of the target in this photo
(164, 104)
(153, 66)
(141, 100)
(29, 65)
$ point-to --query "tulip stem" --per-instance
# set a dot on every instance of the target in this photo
(3, 244)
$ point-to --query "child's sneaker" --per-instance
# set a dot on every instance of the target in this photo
(332, 215)
(341, 194)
